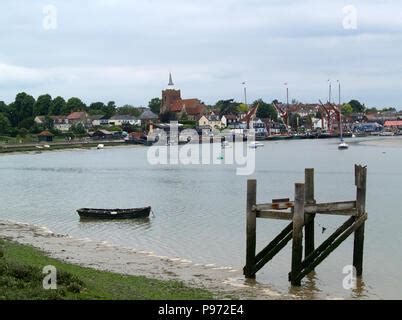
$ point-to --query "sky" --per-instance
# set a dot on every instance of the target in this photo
(123, 50)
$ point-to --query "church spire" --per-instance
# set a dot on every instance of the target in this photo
(171, 84)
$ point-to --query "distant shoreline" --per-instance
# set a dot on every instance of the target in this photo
(395, 141)
(39, 147)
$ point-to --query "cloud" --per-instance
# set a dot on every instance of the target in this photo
(123, 50)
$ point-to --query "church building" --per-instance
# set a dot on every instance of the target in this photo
(193, 109)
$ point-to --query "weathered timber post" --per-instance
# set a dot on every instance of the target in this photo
(309, 218)
(249, 269)
(298, 222)
(360, 181)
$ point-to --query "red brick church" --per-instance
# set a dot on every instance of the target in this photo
(172, 102)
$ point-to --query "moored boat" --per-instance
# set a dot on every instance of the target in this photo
(134, 213)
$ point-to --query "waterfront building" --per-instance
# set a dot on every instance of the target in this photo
(172, 102)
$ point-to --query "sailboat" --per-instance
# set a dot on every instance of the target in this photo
(342, 145)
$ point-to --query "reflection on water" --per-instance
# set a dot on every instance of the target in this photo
(200, 210)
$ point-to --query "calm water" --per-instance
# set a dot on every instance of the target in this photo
(200, 210)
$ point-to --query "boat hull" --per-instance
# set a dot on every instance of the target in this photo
(107, 214)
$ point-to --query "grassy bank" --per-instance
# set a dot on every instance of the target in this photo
(21, 278)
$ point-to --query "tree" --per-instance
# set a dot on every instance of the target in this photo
(265, 110)
(388, 109)
(5, 124)
(3, 107)
(168, 116)
(357, 106)
(371, 110)
(295, 120)
(23, 106)
(27, 123)
(110, 109)
(72, 105)
(227, 107)
(128, 110)
(96, 108)
(78, 128)
(42, 105)
(347, 109)
(155, 105)
(242, 108)
(56, 106)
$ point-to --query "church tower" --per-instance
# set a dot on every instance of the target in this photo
(169, 96)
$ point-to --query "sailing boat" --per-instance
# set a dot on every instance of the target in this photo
(343, 145)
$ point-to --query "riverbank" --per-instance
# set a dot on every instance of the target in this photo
(21, 278)
(37, 147)
(189, 281)
(395, 141)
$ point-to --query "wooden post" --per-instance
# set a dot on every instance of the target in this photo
(249, 269)
(360, 181)
(309, 218)
(298, 222)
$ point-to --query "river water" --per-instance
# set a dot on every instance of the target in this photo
(200, 209)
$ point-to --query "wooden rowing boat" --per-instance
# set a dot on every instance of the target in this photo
(135, 213)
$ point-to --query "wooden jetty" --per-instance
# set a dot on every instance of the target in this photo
(301, 213)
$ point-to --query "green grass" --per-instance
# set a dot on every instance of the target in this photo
(21, 279)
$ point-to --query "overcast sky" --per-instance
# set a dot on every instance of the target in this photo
(123, 50)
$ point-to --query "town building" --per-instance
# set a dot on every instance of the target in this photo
(99, 120)
(148, 116)
(173, 102)
(213, 121)
(120, 120)
(79, 117)
(45, 136)
(58, 122)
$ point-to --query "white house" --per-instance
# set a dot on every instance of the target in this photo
(99, 120)
(213, 121)
(120, 120)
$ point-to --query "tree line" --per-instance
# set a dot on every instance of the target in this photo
(18, 116)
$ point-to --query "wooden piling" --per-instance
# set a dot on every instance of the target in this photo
(302, 212)
(361, 178)
(298, 222)
(309, 218)
(249, 269)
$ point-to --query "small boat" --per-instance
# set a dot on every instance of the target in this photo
(100, 146)
(343, 145)
(387, 134)
(255, 145)
(135, 213)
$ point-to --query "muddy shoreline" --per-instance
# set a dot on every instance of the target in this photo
(224, 282)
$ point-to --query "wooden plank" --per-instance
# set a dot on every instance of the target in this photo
(298, 222)
(274, 206)
(327, 242)
(274, 242)
(358, 223)
(358, 246)
(330, 207)
(273, 252)
(251, 229)
(349, 213)
(280, 200)
(272, 214)
(309, 218)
